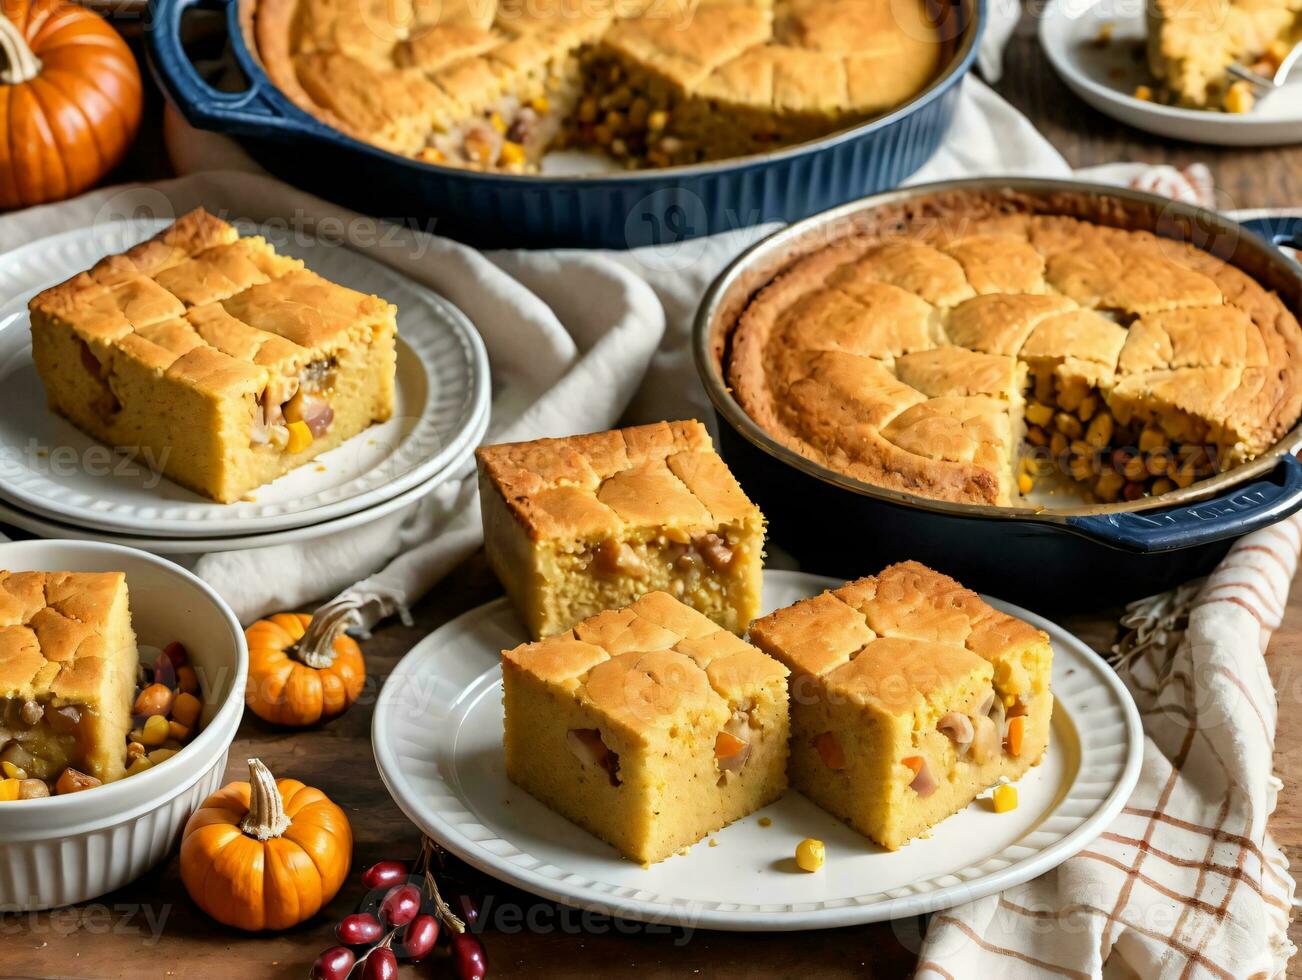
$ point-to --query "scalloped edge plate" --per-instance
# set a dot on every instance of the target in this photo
(45, 462)
(438, 743)
(47, 528)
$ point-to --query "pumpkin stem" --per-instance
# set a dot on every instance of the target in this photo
(317, 647)
(17, 62)
(266, 817)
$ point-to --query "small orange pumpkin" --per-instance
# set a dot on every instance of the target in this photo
(70, 100)
(265, 854)
(296, 681)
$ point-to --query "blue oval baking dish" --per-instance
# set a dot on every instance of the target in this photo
(626, 210)
(1074, 557)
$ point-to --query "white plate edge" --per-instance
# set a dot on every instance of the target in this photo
(945, 897)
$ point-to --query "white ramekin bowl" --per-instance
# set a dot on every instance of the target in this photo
(67, 849)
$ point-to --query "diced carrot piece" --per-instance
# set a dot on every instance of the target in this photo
(914, 762)
(829, 749)
(1016, 733)
(727, 745)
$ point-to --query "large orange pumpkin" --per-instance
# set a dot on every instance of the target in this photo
(297, 680)
(266, 854)
(69, 100)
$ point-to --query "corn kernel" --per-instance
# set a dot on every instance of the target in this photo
(1099, 433)
(1005, 798)
(300, 437)
(539, 104)
(512, 153)
(497, 122)
(155, 731)
(1038, 414)
(810, 854)
(1009, 700)
(186, 709)
(13, 771)
(657, 120)
(1152, 439)
(1025, 483)
(139, 765)
(1144, 94)
(1239, 98)
(431, 155)
(9, 789)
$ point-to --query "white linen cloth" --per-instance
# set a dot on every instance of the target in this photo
(1187, 882)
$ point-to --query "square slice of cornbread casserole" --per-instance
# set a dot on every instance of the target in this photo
(577, 525)
(909, 697)
(212, 358)
(68, 664)
(650, 726)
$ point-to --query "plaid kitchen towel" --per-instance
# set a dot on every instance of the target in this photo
(1187, 882)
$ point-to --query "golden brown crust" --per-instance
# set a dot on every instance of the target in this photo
(868, 388)
(896, 638)
(649, 664)
(52, 635)
(207, 307)
(398, 74)
(591, 487)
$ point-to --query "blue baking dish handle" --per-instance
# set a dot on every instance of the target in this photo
(256, 111)
(1245, 509)
(1279, 230)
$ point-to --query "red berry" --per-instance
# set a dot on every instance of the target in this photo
(165, 671)
(334, 964)
(359, 930)
(386, 874)
(420, 936)
(401, 905)
(381, 964)
(177, 654)
(468, 957)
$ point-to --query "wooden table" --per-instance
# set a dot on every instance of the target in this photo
(118, 936)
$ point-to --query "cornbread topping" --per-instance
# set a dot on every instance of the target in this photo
(576, 525)
(1192, 43)
(67, 673)
(651, 82)
(214, 358)
(909, 697)
(969, 355)
(649, 725)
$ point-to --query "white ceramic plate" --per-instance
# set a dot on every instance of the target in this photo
(47, 528)
(1105, 76)
(50, 468)
(438, 742)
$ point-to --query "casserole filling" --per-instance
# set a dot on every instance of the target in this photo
(1113, 446)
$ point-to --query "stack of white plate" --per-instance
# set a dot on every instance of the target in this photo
(57, 482)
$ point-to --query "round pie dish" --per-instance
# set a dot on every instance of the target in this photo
(662, 206)
(70, 848)
(1044, 554)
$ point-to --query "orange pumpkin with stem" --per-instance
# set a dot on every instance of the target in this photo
(299, 679)
(70, 100)
(266, 854)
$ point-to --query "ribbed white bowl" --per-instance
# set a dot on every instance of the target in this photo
(68, 849)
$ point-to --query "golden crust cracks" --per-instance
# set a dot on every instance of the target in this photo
(401, 75)
(901, 362)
